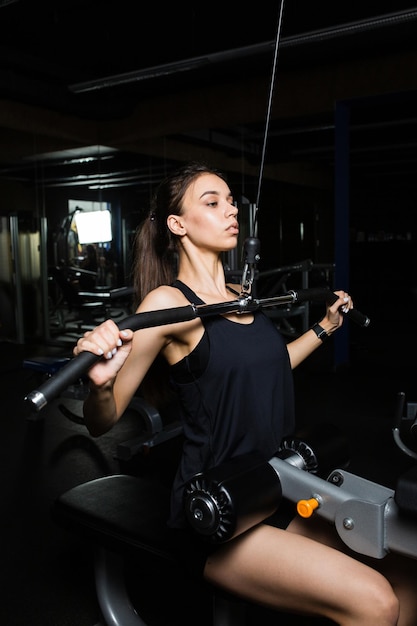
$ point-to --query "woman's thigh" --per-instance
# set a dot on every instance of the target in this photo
(286, 570)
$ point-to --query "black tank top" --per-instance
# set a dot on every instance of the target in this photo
(236, 395)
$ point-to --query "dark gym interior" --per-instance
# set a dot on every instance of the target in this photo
(310, 111)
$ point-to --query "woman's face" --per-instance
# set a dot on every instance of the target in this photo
(208, 216)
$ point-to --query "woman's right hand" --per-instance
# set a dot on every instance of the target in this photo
(108, 341)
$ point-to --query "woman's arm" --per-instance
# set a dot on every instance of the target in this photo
(303, 346)
(116, 377)
(127, 356)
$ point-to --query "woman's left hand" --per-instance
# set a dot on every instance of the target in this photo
(336, 311)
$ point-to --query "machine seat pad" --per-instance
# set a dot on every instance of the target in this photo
(120, 512)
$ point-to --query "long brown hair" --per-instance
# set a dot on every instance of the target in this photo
(156, 261)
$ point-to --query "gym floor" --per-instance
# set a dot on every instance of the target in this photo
(47, 574)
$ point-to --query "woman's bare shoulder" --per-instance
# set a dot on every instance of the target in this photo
(163, 297)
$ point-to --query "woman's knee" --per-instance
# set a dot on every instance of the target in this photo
(375, 604)
(381, 603)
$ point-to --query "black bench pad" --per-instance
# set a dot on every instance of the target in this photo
(120, 512)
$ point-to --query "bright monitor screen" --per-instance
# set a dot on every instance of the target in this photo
(93, 226)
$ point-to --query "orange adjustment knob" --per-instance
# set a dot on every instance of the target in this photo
(306, 508)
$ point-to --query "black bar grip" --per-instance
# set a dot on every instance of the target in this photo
(353, 314)
(318, 294)
(56, 384)
(80, 364)
(158, 318)
(359, 318)
(304, 295)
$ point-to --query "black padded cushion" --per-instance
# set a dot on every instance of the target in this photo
(120, 512)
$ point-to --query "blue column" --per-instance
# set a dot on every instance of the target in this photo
(341, 221)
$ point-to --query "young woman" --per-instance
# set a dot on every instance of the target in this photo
(232, 374)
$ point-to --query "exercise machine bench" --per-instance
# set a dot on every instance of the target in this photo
(124, 517)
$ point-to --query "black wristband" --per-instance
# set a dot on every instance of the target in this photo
(320, 332)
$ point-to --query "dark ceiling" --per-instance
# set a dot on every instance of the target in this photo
(108, 94)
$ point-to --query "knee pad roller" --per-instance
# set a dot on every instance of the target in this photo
(230, 498)
(226, 500)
